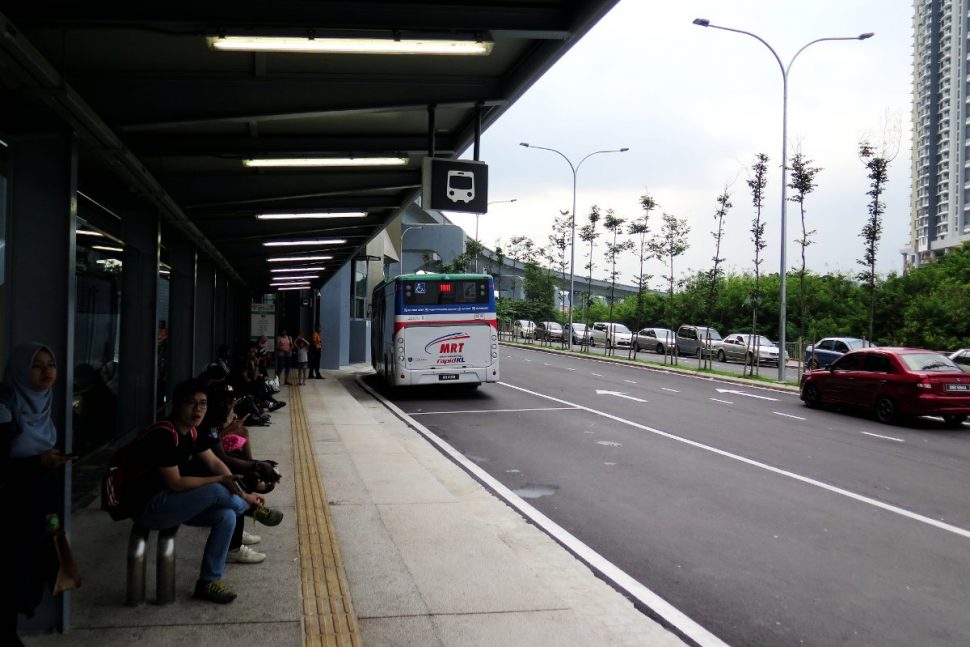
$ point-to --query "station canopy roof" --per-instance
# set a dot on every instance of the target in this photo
(164, 116)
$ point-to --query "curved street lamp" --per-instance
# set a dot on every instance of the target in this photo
(783, 305)
(572, 248)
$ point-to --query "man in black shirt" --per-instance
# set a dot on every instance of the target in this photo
(172, 497)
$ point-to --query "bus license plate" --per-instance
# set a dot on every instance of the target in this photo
(448, 376)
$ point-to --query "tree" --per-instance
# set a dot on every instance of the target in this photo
(588, 234)
(802, 183)
(877, 164)
(614, 248)
(556, 251)
(757, 184)
(670, 243)
(723, 206)
(641, 228)
(539, 286)
(519, 249)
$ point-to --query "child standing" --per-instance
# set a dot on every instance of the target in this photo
(302, 359)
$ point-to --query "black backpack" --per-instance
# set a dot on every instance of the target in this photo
(117, 494)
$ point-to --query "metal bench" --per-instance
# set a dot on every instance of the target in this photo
(164, 566)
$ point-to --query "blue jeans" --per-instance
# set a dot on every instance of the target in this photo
(211, 506)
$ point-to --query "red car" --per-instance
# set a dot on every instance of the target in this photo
(892, 382)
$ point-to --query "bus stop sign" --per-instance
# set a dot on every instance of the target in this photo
(454, 185)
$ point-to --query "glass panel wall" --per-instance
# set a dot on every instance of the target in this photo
(161, 377)
(97, 337)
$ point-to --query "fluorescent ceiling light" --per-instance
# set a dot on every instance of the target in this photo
(296, 283)
(324, 161)
(390, 45)
(298, 259)
(296, 278)
(310, 216)
(305, 243)
(280, 289)
(316, 268)
(88, 232)
(105, 248)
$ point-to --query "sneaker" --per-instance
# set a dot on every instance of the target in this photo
(249, 538)
(245, 555)
(213, 592)
(267, 516)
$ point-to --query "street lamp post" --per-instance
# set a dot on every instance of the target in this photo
(476, 226)
(572, 247)
(783, 305)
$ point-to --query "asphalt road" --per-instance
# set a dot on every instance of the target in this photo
(767, 523)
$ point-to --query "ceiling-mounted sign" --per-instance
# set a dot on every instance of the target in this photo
(454, 185)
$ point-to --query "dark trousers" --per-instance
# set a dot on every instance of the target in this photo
(314, 364)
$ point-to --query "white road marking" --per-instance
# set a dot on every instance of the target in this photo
(722, 401)
(528, 360)
(956, 530)
(788, 415)
(596, 374)
(435, 413)
(594, 560)
(671, 390)
(630, 381)
(898, 440)
(570, 369)
(619, 395)
(747, 395)
(546, 364)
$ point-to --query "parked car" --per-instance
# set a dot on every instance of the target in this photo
(581, 334)
(655, 339)
(548, 331)
(611, 335)
(742, 347)
(691, 339)
(962, 359)
(827, 350)
(892, 382)
(523, 328)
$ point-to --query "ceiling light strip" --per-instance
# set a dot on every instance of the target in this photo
(305, 243)
(300, 162)
(310, 216)
(306, 45)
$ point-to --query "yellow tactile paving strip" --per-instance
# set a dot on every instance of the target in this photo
(328, 613)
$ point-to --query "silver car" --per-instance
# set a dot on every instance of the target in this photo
(742, 347)
(655, 339)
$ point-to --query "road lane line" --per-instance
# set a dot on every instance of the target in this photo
(722, 401)
(663, 388)
(435, 413)
(630, 381)
(788, 415)
(570, 369)
(612, 573)
(956, 530)
(596, 374)
(898, 440)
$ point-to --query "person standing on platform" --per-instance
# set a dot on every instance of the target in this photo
(316, 349)
(284, 352)
(29, 467)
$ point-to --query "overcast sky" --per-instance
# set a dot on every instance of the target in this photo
(694, 106)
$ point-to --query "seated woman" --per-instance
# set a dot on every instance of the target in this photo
(173, 497)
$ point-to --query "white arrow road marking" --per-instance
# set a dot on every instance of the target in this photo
(787, 415)
(671, 390)
(898, 440)
(619, 395)
(747, 395)
(722, 401)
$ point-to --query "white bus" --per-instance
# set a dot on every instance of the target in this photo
(435, 329)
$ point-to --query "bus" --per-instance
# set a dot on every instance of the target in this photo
(435, 329)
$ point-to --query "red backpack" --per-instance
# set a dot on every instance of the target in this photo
(116, 483)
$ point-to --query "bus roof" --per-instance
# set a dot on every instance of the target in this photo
(446, 277)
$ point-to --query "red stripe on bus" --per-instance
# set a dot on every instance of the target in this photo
(399, 325)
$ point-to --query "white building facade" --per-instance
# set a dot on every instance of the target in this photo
(940, 202)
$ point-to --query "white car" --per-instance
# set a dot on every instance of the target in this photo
(742, 347)
(611, 334)
(523, 329)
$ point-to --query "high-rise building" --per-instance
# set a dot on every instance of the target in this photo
(940, 202)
